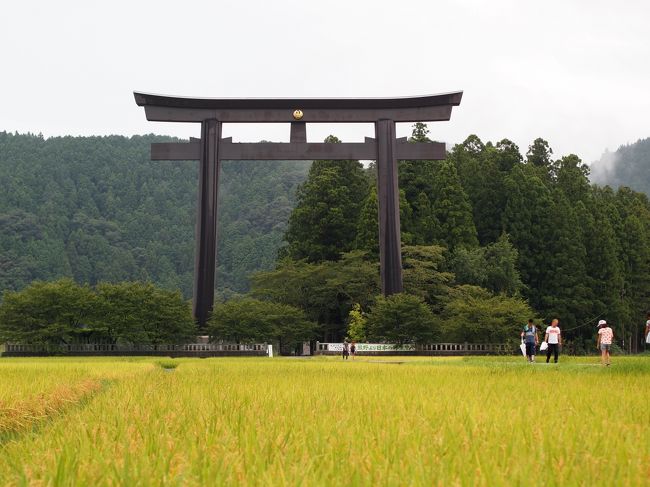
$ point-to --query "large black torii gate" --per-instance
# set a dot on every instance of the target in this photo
(211, 149)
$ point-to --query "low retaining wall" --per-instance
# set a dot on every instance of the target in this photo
(201, 350)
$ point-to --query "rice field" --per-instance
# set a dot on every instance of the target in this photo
(322, 421)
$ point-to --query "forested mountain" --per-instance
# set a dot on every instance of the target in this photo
(98, 209)
(628, 166)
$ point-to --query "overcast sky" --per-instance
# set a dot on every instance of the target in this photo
(576, 73)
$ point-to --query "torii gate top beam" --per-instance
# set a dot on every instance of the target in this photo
(430, 108)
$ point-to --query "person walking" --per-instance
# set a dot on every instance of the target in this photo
(346, 350)
(647, 330)
(604, 342)
(554, 339)
(529, 335)
(353, 349)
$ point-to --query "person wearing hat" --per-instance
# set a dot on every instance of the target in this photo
(604, 341)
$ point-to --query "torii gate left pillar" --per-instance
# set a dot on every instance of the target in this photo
(211, 149)
(205, 257)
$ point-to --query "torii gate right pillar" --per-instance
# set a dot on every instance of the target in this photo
(390, 251)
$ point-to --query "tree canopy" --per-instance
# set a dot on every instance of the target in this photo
(252, 320)
(63, 312)
(489, 237)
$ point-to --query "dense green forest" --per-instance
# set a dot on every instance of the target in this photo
(490, 237)
(485, 224)
(98, 209)
(627, 166)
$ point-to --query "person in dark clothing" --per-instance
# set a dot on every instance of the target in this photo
(346, 350)
(529, 334)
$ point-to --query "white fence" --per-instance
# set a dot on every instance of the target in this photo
(411, 349)
(188, 349)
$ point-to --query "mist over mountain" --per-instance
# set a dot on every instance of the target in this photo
(628, 166)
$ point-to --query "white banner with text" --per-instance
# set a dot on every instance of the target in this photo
(371, 347)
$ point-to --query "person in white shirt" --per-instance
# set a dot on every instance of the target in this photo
(554, 340)
(647, 330)
(604, 341)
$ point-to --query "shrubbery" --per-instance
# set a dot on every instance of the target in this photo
(252, 320)
(402, 318)
(63, 312)
(297, 302)
(475, 315)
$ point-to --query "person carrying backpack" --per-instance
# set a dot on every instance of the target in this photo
(529, 335)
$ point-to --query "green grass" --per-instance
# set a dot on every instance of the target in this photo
(322, 421)
(167, 364)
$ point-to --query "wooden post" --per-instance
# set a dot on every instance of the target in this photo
(298, 132)
(390, 252)
(206, 226)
